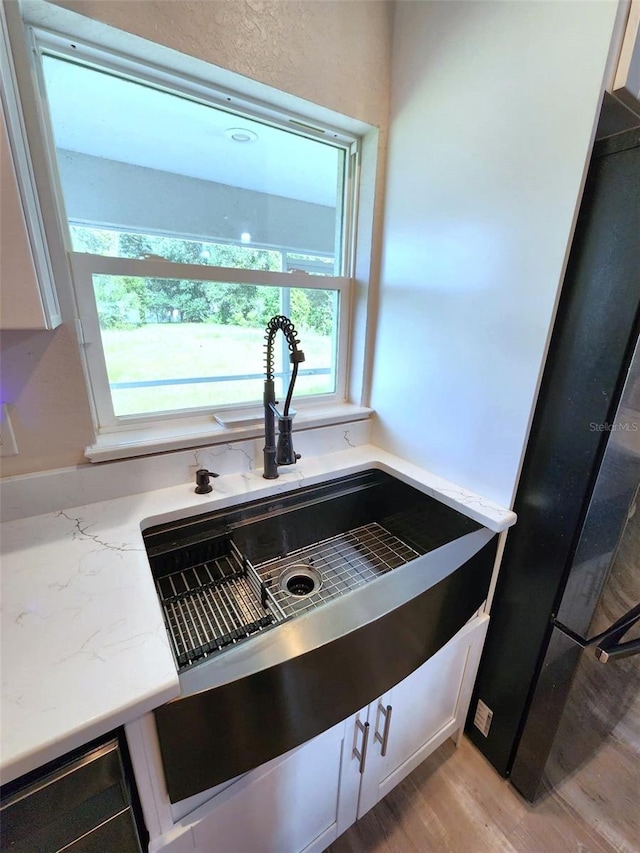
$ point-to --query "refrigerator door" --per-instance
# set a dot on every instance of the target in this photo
(576, 696)
(582, 735)
(613, 493)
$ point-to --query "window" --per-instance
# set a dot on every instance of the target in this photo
(190, 222)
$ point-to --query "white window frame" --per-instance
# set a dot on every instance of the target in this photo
(83, 266)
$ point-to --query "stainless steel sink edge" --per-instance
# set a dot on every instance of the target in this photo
(220, 500)
(334, 619)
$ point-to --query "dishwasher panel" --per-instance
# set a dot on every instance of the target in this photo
(79, 806)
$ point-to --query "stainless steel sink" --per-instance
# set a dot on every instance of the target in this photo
(288, 614)
(229, 575)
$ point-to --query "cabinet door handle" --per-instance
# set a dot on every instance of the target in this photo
(361, 755)
(386, 712)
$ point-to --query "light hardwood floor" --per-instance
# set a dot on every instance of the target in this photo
(455, 802)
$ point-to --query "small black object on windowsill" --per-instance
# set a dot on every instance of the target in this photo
(203, 486)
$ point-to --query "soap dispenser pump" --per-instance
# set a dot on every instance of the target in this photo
(203, 486)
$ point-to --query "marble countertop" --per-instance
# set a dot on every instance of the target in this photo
(84, 648)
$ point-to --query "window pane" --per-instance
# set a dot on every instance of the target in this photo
(136, 159)
(118, 244)
(178, 344)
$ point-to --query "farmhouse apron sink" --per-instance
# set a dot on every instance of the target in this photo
(288, 614)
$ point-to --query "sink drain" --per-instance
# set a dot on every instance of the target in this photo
(300, 580)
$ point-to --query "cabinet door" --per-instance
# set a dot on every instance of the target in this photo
(27, 297)
(420, 713)
(290, 807)
(20, 297)
(356, 744)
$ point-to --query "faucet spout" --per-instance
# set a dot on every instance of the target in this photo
(281, 453)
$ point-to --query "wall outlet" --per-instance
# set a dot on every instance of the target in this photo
(8, 446)
(483, 717)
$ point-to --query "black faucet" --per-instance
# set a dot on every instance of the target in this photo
(282, 453)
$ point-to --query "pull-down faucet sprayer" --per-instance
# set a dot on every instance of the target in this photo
(282, 453)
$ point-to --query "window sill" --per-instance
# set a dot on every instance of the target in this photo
(181, 434)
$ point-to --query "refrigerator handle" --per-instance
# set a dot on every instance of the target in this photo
(622, 650)
(608, 643)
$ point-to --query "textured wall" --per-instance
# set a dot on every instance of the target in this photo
(492, 110)
(336, 54)
(332, 52)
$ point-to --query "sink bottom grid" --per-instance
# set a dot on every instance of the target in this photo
(214, 604)
(344, 562)
(211, 604)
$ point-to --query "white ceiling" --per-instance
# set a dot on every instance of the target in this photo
(105, 116)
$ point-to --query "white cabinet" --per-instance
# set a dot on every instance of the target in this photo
(28, 298)
(20, 305)
(289, 804)
(304, 800)
(420, 713)
(26, 302)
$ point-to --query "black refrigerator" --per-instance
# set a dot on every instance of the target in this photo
(557, 699)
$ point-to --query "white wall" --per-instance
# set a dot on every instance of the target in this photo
(492, 110)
